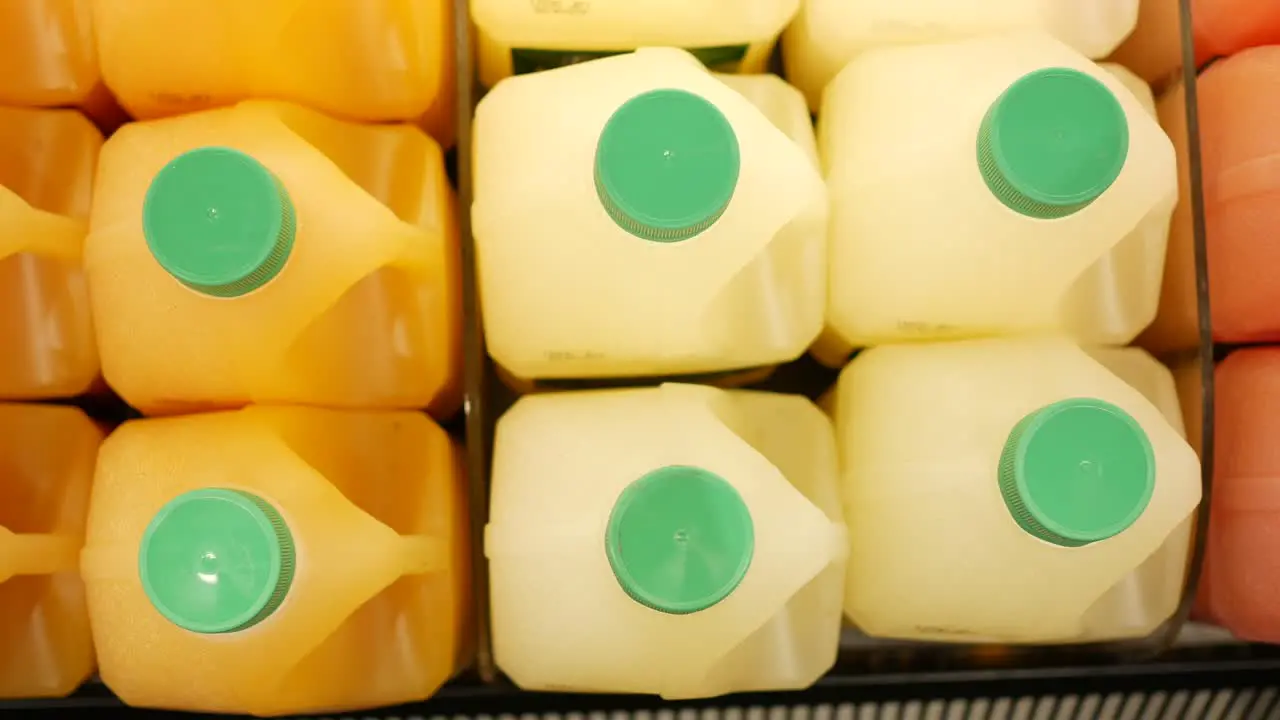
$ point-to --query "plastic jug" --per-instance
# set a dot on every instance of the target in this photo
(1240, 160)
(386, 60)
(47, 160)
(273, 560)
(266, 252)
(663, 227)
(1001, 490)
(974, 185)
(827, 34)
(521, 36)
(1242, 555)
(723, 548)
(46, 53)
(46, 465)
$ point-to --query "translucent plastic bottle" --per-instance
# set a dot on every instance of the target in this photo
(827, 34)
(46, 53)
(385, 60)
(663, 227)
(975, 184)
(520, 36)
(1220, 28)
(275, 560)
(1239, 101)
(47, 455)
(719, 520)
(1006, 490)
(47, 161)
(266, 252)
(1242, 555)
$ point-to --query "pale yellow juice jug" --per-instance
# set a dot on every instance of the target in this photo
(273, 560)
(46, 465)
(373, 61)
(267, 252)
(723, 549)
(976, 185)
(666, 226)
(827, 34)
(1013, 491)
(521, 36)
(47, 161)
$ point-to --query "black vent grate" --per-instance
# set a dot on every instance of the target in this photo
(1250, 703)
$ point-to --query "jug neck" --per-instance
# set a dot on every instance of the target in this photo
(679, 539)
(219, 222)
(217, 560)
(1077, 472)
(1052, 143)
(666, 165)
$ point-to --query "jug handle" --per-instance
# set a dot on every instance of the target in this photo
(43, 233)
(37, 554)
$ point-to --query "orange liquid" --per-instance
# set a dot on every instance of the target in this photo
(47, 161)
(46, 466)
(373, 61)
(1242, 569)
(379, 609)
(1220, 28)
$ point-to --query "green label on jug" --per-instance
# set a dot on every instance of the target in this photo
(722, 58)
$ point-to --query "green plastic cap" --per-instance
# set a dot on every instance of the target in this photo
(1052, 143)
(216, 561)
(1077, 471)
(666, 165)
(218, 221)
(680, 539)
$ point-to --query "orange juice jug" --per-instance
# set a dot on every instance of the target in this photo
(47, 160)
(521, 36)
(1242, 553)
(974, 184)
(827, 34)
(46, 466)
(278, 560)
(385, 60)
(666, 226)
(267, 252)
(679, 540)
(47, 55)
(1239, 104)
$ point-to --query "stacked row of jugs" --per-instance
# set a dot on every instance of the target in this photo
(265, 264)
